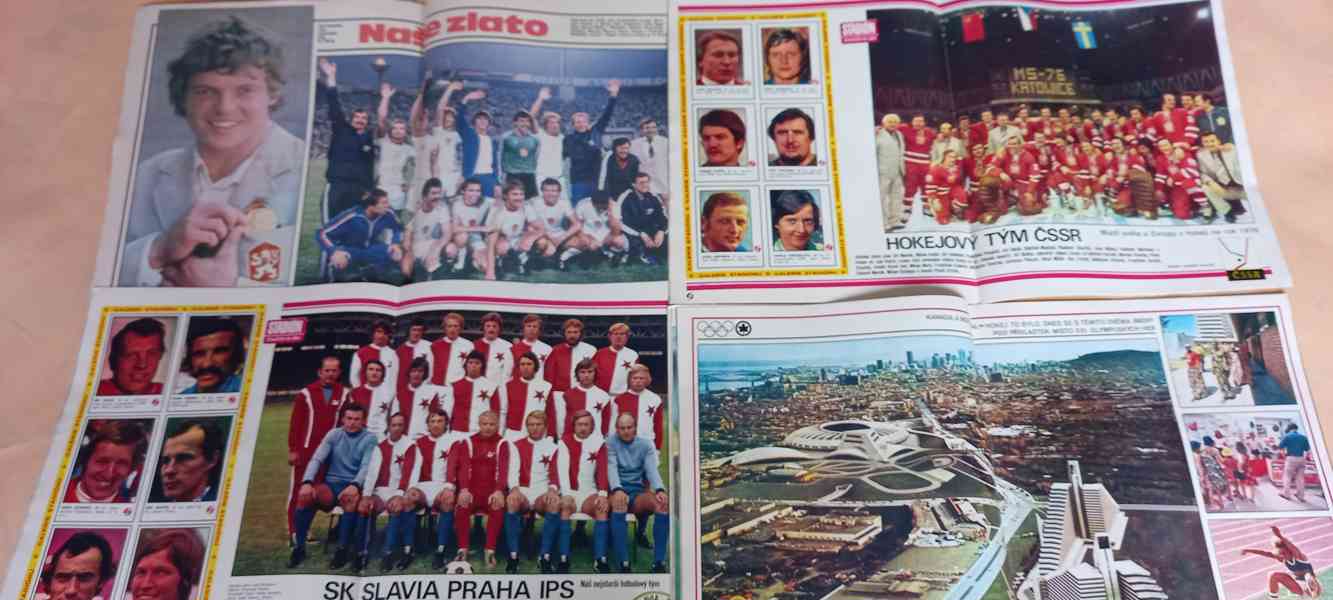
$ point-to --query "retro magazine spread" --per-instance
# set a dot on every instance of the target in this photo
(996, 150)
(495, 400)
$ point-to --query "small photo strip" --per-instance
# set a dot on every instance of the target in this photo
(1227, 359)
(1254, 462)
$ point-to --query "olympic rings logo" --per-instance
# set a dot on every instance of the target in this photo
(722, 329)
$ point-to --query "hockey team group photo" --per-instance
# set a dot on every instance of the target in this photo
(1013, 114)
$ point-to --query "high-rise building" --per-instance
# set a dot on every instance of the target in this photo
(1083, 529)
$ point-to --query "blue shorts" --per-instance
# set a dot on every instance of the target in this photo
(632, 490)
(337, 487)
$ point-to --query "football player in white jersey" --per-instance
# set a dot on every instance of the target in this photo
(507, 225)
(392, 471)
(429, 489)
(429, 233)
(469, 216)
(554, 224)
(600, 230)
(532, 487)
(448, 162)
(395, 150)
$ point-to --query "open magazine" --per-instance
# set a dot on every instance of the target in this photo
(391, 142)
(996, 150)
(376, 444)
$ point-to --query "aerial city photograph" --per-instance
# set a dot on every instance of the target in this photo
(931, 467)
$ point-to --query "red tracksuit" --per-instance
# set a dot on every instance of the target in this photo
(479, 466)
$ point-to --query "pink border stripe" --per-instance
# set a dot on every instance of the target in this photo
(474, 299)
(942, 7)
(958, 281)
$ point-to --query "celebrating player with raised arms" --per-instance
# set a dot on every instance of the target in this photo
(532, 484)
(522, 396)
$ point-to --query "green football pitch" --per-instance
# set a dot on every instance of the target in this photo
(262, 548)
(308, 255)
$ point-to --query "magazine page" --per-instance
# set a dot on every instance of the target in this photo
(999, 151)
(406, 134)
(209, 184)
(279, 443)
(919, 448)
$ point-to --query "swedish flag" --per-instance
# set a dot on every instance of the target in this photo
(1084, 36)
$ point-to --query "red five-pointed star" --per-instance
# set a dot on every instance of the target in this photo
(539, 395)
(398, 460)
(462, 356)
(651, 410)
(444, 454)
(625, 365)
(424, 404)
(546, 460)
(499, 356)
(384, 408)
(592, 457)
(484, 396)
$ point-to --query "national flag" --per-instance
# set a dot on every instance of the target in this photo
(974, 27)
(1084, 36)
(1027, 17)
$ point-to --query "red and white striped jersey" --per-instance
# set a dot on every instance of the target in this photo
(518, 398)
(613, 368)
(581, 464)
(386, 355)
(471, 398)
(649, 413)
(380, 402)
(407, 351)
(539, 348)
(559, 368)
(448, 359)
(433, 456)
(393, 464)
(564, 405)
(532, 463)
(417, 404)
(499, 359)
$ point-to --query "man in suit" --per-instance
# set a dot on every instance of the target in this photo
(652, 150)
(892, 166)
(1219, 171)
(192, 205)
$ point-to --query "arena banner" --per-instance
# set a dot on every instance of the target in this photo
(994, 150)
(392, 143)
(927, 448)
(280, 443)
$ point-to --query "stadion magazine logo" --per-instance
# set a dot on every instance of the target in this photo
(722, 329)
(285, 331)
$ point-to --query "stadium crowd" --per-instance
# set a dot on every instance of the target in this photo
(1062, 160)
(507, 431)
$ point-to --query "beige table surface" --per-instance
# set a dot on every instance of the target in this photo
(62, 64)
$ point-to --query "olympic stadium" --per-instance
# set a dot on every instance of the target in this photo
(948, 527)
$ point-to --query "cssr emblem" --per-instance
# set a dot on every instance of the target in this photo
(743, 328)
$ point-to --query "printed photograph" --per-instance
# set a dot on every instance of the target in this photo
(190, 463)
(548, 161)
(217, 183)
(793, 138)
(725, 222)
(168, 563)
(1255, 462)
(109, 465)
(80, 564)
(214, 355)
(1220, 359)
(1053, 116)
(463, 442)
(722, 138)
(719, 57)
(787, 56)
(134, 364)
(927, 467)
(797, 226)
(1272, 558)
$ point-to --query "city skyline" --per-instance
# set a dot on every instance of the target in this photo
(863, 351)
